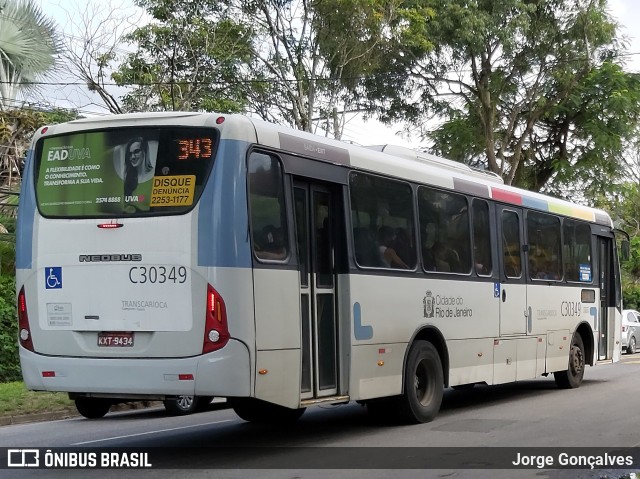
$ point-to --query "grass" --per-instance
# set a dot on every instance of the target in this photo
(16, 400)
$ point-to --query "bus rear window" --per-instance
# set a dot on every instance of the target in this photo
(123, 172)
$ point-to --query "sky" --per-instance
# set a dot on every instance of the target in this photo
(68, 14)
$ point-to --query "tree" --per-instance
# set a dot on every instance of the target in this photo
(531, 89)
(91, 55)
(28, 45)
(309, 52)
(189, 57)
(285, 61)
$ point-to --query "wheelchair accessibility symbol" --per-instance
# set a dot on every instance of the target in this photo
(53, 277)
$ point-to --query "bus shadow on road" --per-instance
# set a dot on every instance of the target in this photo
(327, 424)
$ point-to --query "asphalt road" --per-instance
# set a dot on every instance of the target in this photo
(343, 441)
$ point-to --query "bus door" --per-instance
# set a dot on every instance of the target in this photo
(513, 287)
(608, 331)
(315, 207)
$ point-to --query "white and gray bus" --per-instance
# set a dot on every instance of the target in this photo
(169, 254)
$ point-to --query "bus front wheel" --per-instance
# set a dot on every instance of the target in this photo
(92, 408)
(572, 377)
(423, 384)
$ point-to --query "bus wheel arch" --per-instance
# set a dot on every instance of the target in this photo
(587, 336)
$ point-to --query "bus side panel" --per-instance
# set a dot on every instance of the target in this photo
(379, 369)
(388, 313)
(278, 333)
(615, 340)
(558, 346)
(553, 307)
(471, 361)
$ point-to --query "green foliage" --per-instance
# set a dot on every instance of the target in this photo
(534, 91)
(189, 57)
(7, 257)
(16, 400)
(9, 361)
(631, 296)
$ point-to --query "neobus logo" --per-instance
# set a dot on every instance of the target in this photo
(96, 258)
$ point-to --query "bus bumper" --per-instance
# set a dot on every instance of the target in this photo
(222, 373)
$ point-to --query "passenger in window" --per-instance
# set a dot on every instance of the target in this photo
(548, 271)
(390, 258)
(403, 246)
(482, 258)
(271, 245)
(434, 252)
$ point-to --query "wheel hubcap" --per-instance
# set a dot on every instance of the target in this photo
(577, 360)
(185, 402)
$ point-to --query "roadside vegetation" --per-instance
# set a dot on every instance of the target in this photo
(15, 400)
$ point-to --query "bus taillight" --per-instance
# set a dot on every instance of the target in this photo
(216, 330)
(23, 322)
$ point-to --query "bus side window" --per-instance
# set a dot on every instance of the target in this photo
(445, 236)
(481, 238)
(511, 244)
(380, 208)
(543, 234)
(577, 251)
(268, 212)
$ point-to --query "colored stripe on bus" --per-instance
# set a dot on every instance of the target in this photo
(470, 188)
(223, 238)
(506, 196)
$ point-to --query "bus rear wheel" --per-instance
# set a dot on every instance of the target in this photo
(92, 408)
(423, 384)
(262, 412)
(572, 377)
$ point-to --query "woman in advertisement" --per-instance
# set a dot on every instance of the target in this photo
(138, 170)
(137, 164)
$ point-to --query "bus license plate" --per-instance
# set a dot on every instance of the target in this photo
(115, 339)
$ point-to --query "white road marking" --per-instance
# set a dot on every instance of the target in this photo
(149, 432)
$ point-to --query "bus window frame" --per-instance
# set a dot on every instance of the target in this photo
(37, 154)
(591, 253)
(527, 241)
(413, 219)
(287, 217)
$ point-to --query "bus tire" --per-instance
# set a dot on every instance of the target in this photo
(572, 377)
(262, 412)
(92, 408)
(423, 384)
